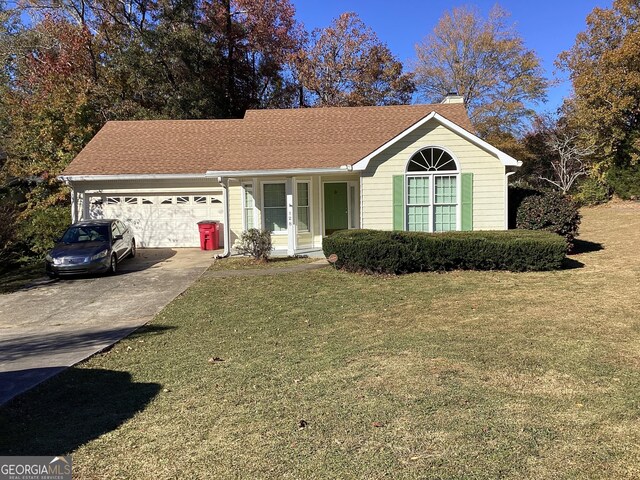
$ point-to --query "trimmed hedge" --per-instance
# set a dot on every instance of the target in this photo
(550, 211)
(376, 251)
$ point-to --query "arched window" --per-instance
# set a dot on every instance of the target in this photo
(432, 186)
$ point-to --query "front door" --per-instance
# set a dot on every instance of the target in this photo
(336, 207)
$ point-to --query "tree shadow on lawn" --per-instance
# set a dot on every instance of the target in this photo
(570, 264)
(69, 410)
(580, 247)
(585, 246)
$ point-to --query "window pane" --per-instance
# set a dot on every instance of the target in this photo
(418, 219)
(303, 194)
(418, 191)
(445, 218)
(248, 218)
(275, 219)
(275, 195)
(303, 219)
(445, 189)
(248, 206)
(275, 207)
(431, 160)
(248, 196)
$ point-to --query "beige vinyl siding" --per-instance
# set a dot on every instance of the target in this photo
(488, 180)
(235, 210)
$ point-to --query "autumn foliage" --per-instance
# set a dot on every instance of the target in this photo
(346, 64)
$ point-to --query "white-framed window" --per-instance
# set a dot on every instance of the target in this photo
(131, 200)
(432, 191)
(166, 201)
(199, 200)
(182, 200)
(113, 200)
(274, 207)
(248, 207)
(303, 207)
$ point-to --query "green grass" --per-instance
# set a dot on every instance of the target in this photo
(245, 263)
(18, 278)
(459, 375)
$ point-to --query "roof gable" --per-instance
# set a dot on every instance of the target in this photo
(506, 159)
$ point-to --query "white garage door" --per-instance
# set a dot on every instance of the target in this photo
(160, 220)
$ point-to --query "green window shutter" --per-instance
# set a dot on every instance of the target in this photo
(467, 201)
(398, 202)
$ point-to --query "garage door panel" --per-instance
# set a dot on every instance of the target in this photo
(166, 220)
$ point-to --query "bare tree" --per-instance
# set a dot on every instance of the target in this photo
(571, 150)
(486, 61)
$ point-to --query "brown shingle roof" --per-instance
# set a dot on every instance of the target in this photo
(263, 140)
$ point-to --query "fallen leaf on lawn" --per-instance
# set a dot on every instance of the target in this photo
(216, 359)
(378, 424)
(302, 424)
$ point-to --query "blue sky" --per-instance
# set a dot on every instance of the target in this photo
(547, 26)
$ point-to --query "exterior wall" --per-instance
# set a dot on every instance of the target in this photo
(209, 186)
(488, 179)
(305, 240)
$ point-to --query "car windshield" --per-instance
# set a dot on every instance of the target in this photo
(86, 233)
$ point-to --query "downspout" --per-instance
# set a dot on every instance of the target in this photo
(227, 229)
(506, 199)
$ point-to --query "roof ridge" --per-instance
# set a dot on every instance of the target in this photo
(356, 107)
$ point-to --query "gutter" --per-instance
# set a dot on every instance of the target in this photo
(278, 172)
(209, 173)
(86, 178)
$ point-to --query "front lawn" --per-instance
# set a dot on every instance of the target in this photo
(325, 374)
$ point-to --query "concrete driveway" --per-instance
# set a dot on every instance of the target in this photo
(55, 324)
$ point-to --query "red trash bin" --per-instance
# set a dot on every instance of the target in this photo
(209, 235)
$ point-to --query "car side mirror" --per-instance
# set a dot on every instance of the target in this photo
(117, 237)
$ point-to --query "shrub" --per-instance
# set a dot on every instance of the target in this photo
(375, 251)
(592, 191)
(7, 235)
(40, 230)
(625, 181)
(550, 211)
(255, 243)
(517, 193)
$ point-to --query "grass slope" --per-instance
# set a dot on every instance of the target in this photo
(326, 374)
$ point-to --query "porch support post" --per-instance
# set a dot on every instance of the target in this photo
(74, 204)
(291, 227)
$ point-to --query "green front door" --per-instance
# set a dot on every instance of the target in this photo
(336, 210)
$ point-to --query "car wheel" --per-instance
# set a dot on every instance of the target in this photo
(132, 252)
(113, 265)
